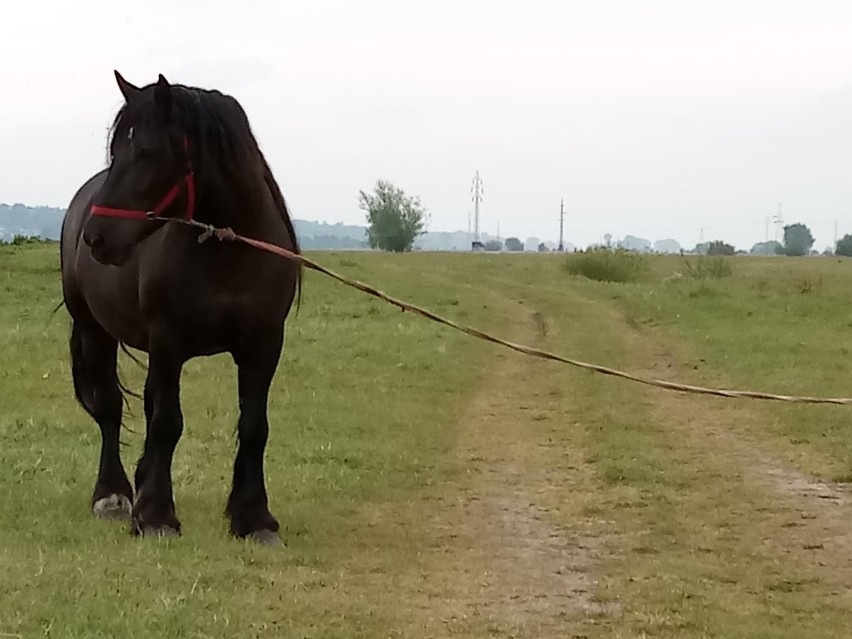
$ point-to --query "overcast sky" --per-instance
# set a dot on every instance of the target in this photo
(653, 118)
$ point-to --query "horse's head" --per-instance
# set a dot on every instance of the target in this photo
(149, 174)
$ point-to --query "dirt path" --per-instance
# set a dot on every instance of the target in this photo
(498, 565)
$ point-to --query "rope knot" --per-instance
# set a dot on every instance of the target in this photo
(225, 234)
(220, 234)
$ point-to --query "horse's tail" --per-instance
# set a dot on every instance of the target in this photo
(54, 311)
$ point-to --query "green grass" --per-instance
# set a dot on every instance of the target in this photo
(779, 325)
(365, 413)
(359, 414)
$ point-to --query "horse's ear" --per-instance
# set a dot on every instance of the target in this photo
(163, 95)
(127, 90)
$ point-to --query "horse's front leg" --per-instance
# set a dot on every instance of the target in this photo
(247, 504)
(154, 506)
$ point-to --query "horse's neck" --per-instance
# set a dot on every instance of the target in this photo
(246, 209)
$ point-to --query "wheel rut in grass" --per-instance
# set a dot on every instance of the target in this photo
(794, 518)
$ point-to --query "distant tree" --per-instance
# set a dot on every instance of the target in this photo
(514, 244)
(395, 220)
(542, 248)
(701, 249)
(633, 243)
(767, 248)
(667, 246)
(718, 247)
(494, 245)
(844, 246)
(608, 239)
(797, 240)
(18, 240)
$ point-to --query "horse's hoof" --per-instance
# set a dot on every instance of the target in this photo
(266, 537)
(114, 507)
(161, 532)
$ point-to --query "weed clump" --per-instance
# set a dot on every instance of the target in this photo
(708, 267)
(606, 265)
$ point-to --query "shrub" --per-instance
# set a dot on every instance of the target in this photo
(708, 267)
(19, 240)
(718, 247)
(607, 265)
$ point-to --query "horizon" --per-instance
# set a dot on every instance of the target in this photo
(616, 240)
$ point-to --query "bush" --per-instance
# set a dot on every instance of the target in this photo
(607, 265)
(718, 247)
(708, 268)
(20, 240)
(514, 244)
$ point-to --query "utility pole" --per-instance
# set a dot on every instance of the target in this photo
(561, 248)
(476, 196)
(766, 220)
(779, 222)
(835, 234)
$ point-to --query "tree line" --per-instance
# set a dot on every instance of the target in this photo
(395, 220)
(798, 241)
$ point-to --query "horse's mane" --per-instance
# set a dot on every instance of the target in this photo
(217, 126)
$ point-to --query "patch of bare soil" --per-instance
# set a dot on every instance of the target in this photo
(498, 564)
(791, 481)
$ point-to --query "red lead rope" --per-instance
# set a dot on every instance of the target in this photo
(139, 214)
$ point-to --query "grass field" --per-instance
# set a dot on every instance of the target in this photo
(432, 485)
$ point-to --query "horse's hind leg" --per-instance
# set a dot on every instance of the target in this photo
(247, 504)
(93, 365)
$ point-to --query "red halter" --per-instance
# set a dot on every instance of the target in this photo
(138, 214)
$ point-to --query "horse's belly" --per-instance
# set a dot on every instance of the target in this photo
(122, 326)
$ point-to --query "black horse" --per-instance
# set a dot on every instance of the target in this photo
(177, 151)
